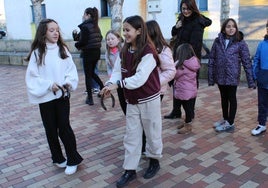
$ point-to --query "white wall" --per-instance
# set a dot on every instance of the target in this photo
(68, 13)
(167, 17)
(2, 12)
(18, 19)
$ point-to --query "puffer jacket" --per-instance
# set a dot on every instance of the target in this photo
(191, 32)
(224, 65)
(185, 84)
(89, 37)
(261, 62)
(166, 69)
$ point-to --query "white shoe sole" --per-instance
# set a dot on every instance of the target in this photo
(71, 170)
(258, 133)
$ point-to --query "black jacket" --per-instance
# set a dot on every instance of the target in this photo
(89, 37)
(191, 32)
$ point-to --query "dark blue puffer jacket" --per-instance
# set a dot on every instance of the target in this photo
(261, 62)
(224, 66)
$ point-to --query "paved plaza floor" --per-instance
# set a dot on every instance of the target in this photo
(203, 158)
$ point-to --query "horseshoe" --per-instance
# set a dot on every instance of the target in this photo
(102, 101)
(65, 94)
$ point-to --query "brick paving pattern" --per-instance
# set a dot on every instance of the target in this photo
(203, 158)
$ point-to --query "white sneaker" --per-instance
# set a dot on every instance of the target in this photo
(95, 91)
(258, 130)
(225, 127)
(70, 169)
(61, 165)
(219, 123)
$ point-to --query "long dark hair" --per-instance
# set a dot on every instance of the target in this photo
(94, 13)
(156, 35)
(184, 51)
(236, 36)
(142, 40)
(191, 5)
(39, 42)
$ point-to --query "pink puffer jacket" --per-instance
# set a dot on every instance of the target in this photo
(185, 85)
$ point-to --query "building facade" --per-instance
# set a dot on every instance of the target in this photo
(250, 15)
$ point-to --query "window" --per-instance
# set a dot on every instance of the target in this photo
(201, 4)
(43, 12)
(105, 9)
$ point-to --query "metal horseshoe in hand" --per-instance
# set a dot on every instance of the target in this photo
(65, 92)
(102, 101)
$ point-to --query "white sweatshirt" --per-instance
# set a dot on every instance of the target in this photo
(40, 78)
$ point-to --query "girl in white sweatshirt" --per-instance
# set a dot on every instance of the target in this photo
(51, 74)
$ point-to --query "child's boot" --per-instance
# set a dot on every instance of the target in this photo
(187, 128)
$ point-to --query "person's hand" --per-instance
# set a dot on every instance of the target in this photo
(67, 86)
(75, 31)
(107, 89)
(178, 24)
(55, 88)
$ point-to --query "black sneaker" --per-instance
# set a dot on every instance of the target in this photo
(172, 115)
(89, 101)
(124, 180)
(153, 168)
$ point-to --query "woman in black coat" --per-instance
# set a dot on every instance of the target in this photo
(189, 28)
(89, 42)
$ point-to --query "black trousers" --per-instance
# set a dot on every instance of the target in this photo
(122, 100)
(55, 117)
(262, 105)
(228, 102)
(90, 60)
(188, 106)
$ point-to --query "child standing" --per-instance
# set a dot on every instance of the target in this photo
(227, 53)
(113, 48)
(260, 73)
(136, 72)
(185, 84)
(50, 71)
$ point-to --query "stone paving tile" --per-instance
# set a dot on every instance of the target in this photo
(203, 158)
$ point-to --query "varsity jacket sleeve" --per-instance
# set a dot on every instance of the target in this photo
(143, 71)
(116, 73)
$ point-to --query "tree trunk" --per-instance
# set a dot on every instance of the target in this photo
(116, 13)
(37, 9)
(225, 10)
